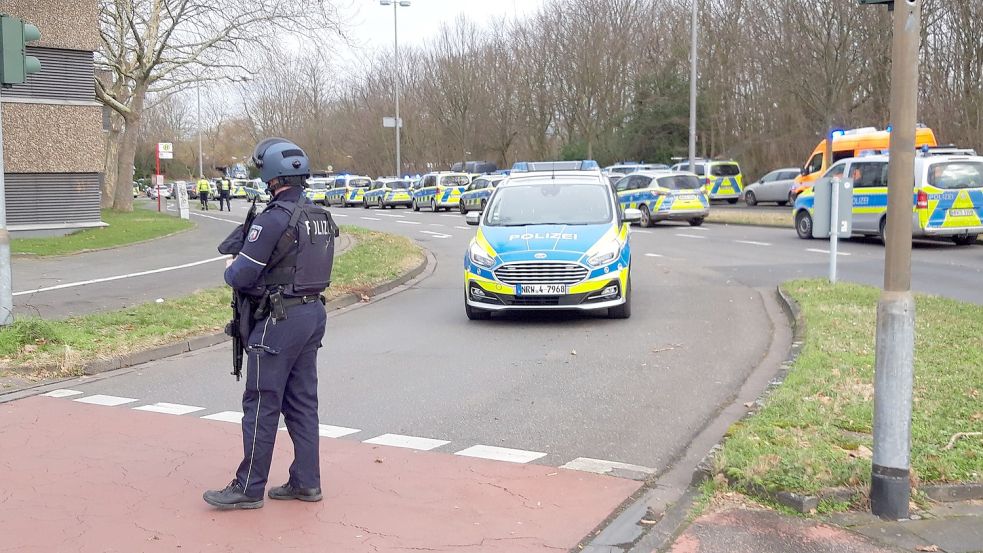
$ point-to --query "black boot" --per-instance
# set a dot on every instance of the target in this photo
(232, 497)
(287, 491)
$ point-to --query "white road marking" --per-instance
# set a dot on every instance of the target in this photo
(501, 454)
(436, 234)
(752, 242)
(690, 236)
(328, 431)
(701, 229)
(463, 228)
(369, 219)
(817, 250)
(216, 218)
(333, 214)
(436, 225)
(64, 392)
(654, 255)
(170, 408)
(391, 215)
(109, 401)
(407, 442)
(226, 416)
(121, 277)
(599, 466)
(641, 231)
(409, 223)
(449, 215)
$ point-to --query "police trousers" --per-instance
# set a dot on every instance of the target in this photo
(224, 199)
(281, 377)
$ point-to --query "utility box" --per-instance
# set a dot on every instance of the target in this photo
(823, 207)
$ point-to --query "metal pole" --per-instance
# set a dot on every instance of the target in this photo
(890, 488)
(692, 92)
(834, 235)
(399, 164)
(157, 180)
(6, 278)
(201, 170)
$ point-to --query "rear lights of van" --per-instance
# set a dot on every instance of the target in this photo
(922, 200)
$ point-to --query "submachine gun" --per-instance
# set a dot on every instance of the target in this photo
(243, 305)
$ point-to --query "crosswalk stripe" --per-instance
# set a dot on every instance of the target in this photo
(599, 466)
(169, 408)
(328, 431)
(407, 442)
(109, 401)
(501, 454)
(64, 392)
(225, 416)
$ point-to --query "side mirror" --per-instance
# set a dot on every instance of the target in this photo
(632, 215)
(804, 172)
(473, 218)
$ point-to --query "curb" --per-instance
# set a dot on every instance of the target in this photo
(195, 343)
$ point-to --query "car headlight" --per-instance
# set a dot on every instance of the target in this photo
(605, 254)
(478, 256)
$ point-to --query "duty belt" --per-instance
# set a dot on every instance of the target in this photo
(302, 300)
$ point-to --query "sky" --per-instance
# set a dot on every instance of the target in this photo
(371, 25)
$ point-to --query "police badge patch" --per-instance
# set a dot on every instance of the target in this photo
(254, 232)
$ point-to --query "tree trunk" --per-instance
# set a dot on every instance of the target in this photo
(123, 198)
(111, 166)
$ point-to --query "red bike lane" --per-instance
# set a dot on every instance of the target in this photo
(79, 477)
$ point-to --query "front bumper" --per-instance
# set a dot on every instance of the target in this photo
(493, 297)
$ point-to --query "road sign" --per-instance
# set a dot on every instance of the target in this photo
(165, 150)
(823, 209)
(390, 122)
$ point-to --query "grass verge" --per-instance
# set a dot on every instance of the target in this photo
(40, 349)
(746, 217)
(814, 431)
(124, 228)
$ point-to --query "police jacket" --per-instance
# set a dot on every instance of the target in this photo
(203, 186)
(290, 247)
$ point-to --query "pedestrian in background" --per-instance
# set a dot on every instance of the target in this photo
(203, 190)
(284, 265)
(224, 193)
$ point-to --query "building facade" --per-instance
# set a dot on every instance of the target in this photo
(53, 127)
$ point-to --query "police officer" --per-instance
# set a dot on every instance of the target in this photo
(224, 193)
(203, 190)
(285, 263)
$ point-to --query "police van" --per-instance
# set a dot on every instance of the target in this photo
(441, 190)
(347, 190)
(948, 195)
(317, 189)
(553, 240)
(664, 196)
(722, 179)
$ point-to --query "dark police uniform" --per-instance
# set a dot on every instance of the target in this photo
(289, 248)
(224, 194)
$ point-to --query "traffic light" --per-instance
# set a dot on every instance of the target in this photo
(15, 64)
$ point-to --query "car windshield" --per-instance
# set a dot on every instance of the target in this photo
(399, 185)
(359, 183)
(455, 180)
(679, 182)
(955, 175)
(725, 170)
(317, 185)
(550, 204)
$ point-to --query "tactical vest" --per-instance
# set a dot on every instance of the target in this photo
(226, 185)
(303, 258)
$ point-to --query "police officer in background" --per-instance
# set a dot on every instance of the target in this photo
(224, 193)
(203, 190)
(285, 264)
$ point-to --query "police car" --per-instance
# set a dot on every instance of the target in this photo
(722, 179)
(664, 196)
(317, 189)
(628, 167)
(388, 193)
(550, 240)
(347, 190)
(440, 190)
(948, 195)
(476, 195)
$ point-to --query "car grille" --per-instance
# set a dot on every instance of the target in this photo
(534, 301)
(541, 273)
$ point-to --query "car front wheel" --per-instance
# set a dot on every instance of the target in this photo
(803, 225)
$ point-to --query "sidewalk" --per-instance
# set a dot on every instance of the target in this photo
(80, 477)
(736, 528)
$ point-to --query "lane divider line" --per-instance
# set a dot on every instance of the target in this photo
(599, 466)
(169, 408)
(817, 250)
(406, 442)
(501, 454)
(654, 255)
(463, 228)
(108, 401)
(121, 277)
(690, 236)
(409, 223)
(216, 218)
(435, 234)
(752, 242)
(225, 416)
(370, 219)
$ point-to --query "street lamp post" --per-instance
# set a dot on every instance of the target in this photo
(396, 74)
(201, 170)
(692, 90)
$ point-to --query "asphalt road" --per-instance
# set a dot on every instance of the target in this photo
(570, 386)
